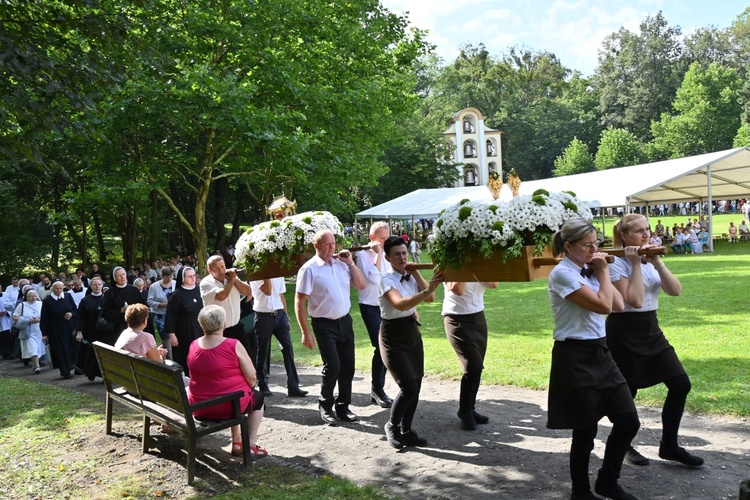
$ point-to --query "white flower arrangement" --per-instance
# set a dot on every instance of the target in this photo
(487, 226)
(283, 240)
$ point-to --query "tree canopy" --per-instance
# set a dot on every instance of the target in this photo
(150, 125)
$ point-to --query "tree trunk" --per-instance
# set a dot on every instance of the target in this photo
(220, 196)
(56, 227)
(200, 236)
(122, 226)
(132, 235)
(99, 238)
(75, 237)
(55, 258)
(155, 226)
(129, 231)
(84, 240)
(239, 210)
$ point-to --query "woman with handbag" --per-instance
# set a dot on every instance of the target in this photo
(26, 318)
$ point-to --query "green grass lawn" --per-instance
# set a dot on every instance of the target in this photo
(708, 326)
(49, 448)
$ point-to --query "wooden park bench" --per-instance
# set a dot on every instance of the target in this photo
(157, 391)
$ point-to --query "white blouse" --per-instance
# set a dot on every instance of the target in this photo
(623, 268)
(571, 320)
(469, 302)
(390, 281)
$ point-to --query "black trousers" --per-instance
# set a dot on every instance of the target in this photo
(276, 324)
(7, 340)
(371, 317)
(405, 404)
(624, 428)
(248, 341)
(335, 339)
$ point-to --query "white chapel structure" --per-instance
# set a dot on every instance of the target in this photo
(476, 146)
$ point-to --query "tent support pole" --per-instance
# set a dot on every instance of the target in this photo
(710, 211)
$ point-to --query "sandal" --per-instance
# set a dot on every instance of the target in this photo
(237, 449)
(167, 429)
(256, 451)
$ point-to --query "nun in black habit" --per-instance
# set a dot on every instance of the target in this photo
(117, 298)
(181, 322)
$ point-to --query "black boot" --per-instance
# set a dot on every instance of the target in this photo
(679, 454)
(610, 489)
(467, 419)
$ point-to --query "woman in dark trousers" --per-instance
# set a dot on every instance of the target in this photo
(466, 329)
(400, 340)
(638, 345)
(585, 383)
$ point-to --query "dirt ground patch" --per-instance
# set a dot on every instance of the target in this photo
(514, 456)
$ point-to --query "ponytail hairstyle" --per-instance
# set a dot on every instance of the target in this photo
(572, 231)
(623, 227)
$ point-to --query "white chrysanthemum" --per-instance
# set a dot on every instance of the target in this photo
(291, 234)
(500, 222)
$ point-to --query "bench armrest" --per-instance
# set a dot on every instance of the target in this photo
(218, 400)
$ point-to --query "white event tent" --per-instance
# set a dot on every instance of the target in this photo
(719, 175)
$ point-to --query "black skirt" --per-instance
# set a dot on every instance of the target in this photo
(585, 385)
(401, 348)
(640, 349)
(467, 334)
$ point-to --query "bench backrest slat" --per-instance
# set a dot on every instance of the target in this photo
(160, 385)
(115, 367)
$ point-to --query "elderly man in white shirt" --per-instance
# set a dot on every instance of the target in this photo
(223, 288)
(324, 281)
(271, 318)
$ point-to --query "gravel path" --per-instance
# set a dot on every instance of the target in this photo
(514, 456)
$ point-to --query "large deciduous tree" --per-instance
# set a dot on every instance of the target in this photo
(56, 60)
(297, 95)
(638, 74)
(706, 118)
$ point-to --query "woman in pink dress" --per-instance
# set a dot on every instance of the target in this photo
(219, 366)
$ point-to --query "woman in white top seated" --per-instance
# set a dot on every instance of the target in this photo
(466, 328)
(400, 340)
(585, 383)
